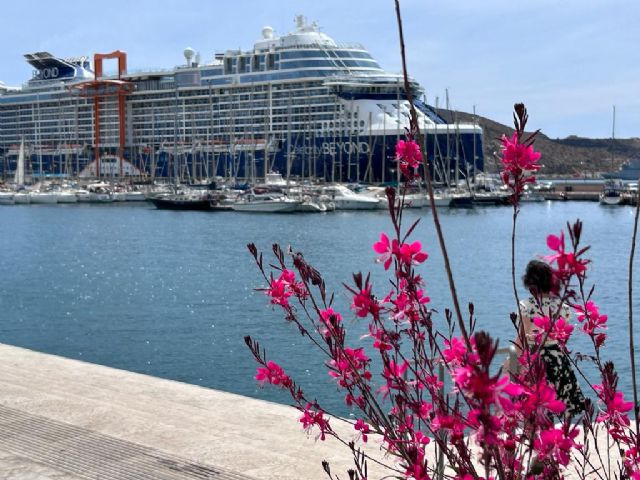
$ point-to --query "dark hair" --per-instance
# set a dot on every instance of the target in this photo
(538, 277)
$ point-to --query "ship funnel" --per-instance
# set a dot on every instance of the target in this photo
(188, 55)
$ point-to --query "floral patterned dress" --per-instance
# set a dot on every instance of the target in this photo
(559, 372)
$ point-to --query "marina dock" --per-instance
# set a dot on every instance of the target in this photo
(65, 419)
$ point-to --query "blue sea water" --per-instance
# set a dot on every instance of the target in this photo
(172, 294)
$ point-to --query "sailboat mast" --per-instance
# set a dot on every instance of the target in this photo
(613, 136)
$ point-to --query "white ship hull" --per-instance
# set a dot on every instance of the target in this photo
(7, 198)
(611, 200)
(41, 197)
(22, 198)
(66, 197)
(266, 207)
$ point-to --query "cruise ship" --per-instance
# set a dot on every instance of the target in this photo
(300, 104)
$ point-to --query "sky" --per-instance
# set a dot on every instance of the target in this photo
(569, 61)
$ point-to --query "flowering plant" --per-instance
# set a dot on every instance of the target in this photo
(438, 393)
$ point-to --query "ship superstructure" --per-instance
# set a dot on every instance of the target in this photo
(301, 104)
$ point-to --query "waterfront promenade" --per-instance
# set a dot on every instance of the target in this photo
(63, 419)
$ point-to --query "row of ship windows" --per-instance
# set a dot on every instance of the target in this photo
(270, 77)
(269, 61)
(255, 118)
(327, 122)
(60, 122)
(297, 89)
(147, 135)
(240, 102)
(317, 104)
(300, 88)
(322, 121)
(225, 109)
(329, 63)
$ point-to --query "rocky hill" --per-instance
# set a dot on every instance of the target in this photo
(571, 156)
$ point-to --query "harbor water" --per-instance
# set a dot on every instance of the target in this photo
(172, 294)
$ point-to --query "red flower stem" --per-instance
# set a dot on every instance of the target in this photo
(522, 337)
(631, 344)
(436, 221)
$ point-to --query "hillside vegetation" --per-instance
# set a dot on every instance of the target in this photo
(571, 156)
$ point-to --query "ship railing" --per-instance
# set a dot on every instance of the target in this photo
(338, 45)
(112, 74)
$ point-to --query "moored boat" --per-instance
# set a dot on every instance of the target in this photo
(181, 201)
(7, 198)
(266, 203)
(346, 199)
(37, 197)
(612, 192)
(22, 198)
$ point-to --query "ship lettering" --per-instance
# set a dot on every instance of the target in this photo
(358, 148)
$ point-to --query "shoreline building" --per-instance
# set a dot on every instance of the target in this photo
(300, 104)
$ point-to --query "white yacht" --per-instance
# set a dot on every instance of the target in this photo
(346, 199)
(266, 203)
(7, 198)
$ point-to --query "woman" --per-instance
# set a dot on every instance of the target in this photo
(543, 302)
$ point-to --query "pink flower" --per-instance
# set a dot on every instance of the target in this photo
(409, 157)
(382, 339)
(364, 303)
(347, 365)
(519, 162)
(284, 287)
(279, 292)
(329, 318)
(409, 151)
(568, 263)
(417, 471)
(411, 254)
(517, 157)
(272, 374)
(450, 423)
(560, 330)
(394, 375)
(556, 445)
(615, 407)
(539, 399)
(591, 321)
(455, 351)
(362, 427)
(385, 249)
(402, 307)
(313, 416)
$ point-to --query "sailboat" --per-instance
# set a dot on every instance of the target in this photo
(612, 190)
(20, 197)
(19, 176)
